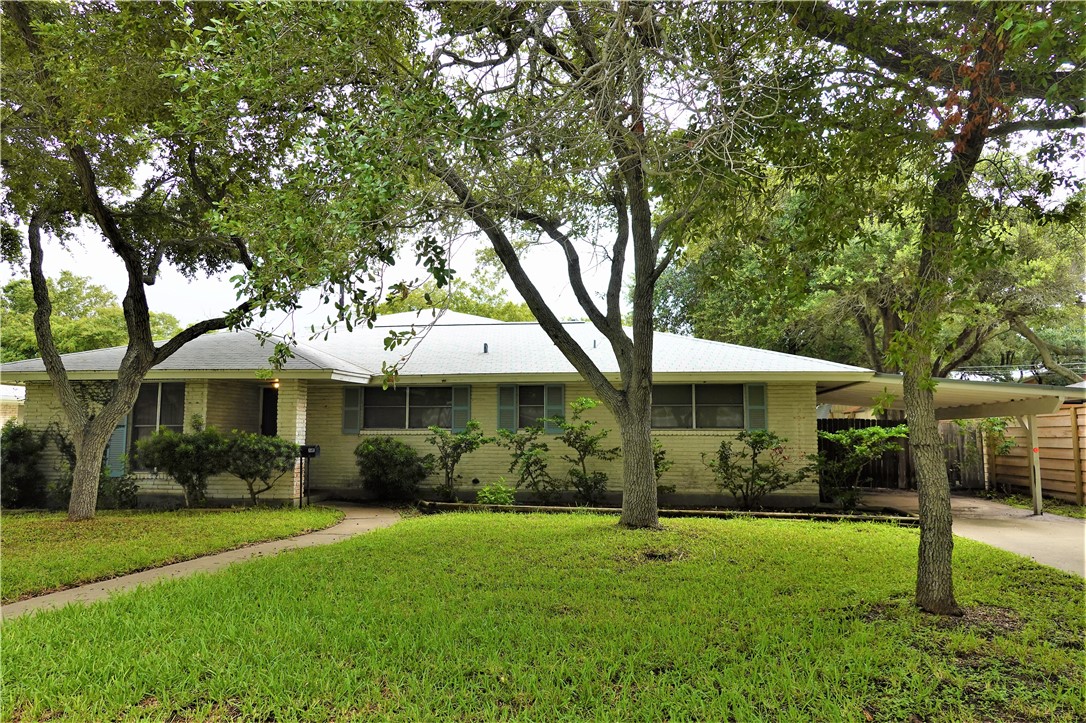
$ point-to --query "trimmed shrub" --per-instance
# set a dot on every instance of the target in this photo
(258, 460)
(391, 469)
(755, 469)
(189, 457)
(496, 493)
(22, 484)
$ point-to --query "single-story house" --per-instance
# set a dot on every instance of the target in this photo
(502, 374)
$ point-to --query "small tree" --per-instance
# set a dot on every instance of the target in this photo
(259, 460)
(391, 469)
(578, 436)
(529, 462)
(840, 471)
(189, 457)
(660, 465)
(755, 470)
(451, 447)
(23, 484)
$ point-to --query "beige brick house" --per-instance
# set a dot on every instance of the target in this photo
(460, 367)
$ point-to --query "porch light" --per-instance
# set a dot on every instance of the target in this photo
(275, 383)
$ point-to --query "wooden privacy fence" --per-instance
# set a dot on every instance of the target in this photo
(964, 453)
(1061, 440)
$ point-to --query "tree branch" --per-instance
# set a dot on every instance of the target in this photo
(618, 256)
(1039, 124)
(197, 330)
(508, 256)
(976, 337)
(1045, 351)
(891, 52)
(43, 330)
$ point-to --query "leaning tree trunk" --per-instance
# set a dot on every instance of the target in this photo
(934, 575)
(90, 448)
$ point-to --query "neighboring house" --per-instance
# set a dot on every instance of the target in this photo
(503, 374)
(11, 403)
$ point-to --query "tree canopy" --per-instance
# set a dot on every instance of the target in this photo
(85, 316)
(763, 288)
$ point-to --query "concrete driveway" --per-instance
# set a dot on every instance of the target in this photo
(1052, 540)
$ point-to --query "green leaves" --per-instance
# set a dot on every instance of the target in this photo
(85, 316)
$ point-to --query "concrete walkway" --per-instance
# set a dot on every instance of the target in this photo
(357, 520)
(1049, 539)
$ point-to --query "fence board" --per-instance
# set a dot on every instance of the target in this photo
(1061, 441)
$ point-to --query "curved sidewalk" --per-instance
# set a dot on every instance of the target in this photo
(1049, 539)
(356, 521)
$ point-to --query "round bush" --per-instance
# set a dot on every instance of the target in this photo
(496, 493)
(391, 469)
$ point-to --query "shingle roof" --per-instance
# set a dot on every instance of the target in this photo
(224, 351)
(453, 344)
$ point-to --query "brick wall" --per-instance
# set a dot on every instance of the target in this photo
(11, 409)
(791, 410)
(225, 404)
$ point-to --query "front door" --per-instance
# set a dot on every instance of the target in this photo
(269, 411)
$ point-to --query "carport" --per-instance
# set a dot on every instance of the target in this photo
(961, 399)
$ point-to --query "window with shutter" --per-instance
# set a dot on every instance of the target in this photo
(757, 411)
(709, 406)
(507, 407)
(461, 408)
(352, 410)
(555, 406)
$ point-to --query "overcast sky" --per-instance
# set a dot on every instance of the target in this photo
(192, 301)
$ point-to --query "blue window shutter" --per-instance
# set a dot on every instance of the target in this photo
(507, 407)
(117, 449)
(352, 410)
(555, 405)
(461, 408)
(757, 414)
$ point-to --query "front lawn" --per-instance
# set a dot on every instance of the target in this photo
(42, 552)
(480, 617)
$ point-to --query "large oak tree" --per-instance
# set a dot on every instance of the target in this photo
(602, 130)
(95, 135)
(939, 84)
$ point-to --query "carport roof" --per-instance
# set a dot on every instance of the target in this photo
(954, 398)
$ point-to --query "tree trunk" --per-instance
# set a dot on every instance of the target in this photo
(639, 507)
(934, 576)
(87, 472)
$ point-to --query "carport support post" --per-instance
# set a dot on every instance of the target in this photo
(1033, 447)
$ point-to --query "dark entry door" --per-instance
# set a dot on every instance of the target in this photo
(269, 412)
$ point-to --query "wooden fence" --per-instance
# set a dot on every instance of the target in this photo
(965, 458)
(1061, 438)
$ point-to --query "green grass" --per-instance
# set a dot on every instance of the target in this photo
(1051, 505)
(480, 617)
(41, 552)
